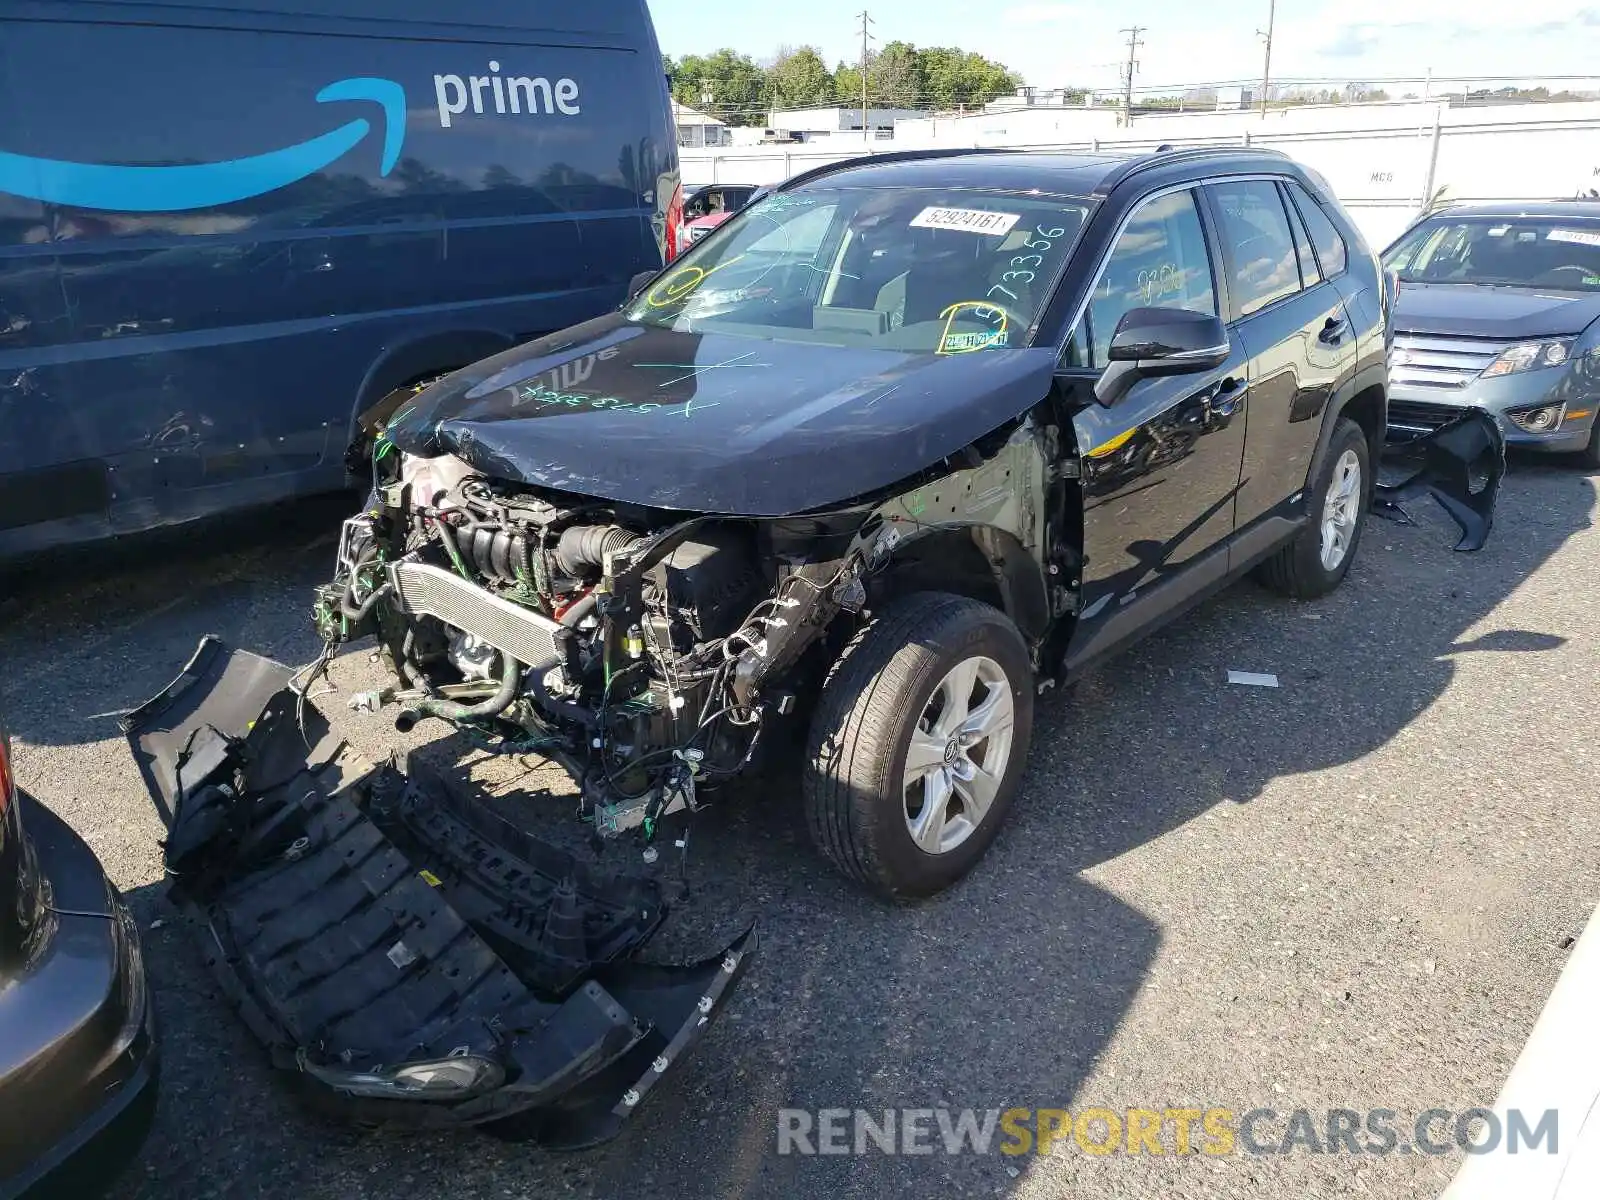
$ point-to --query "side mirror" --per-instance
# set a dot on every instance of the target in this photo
(1151, 342)
(638, 283)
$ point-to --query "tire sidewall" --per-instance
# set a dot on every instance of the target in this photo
(1347, 435)
(914, 870)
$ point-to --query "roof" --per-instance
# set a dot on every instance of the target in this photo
(682, 114)
(1019, 170)
(1535, 208)
(1062, 174)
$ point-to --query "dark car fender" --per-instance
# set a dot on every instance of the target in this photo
(419, 358)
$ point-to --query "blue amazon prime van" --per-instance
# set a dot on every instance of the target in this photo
(226, 229)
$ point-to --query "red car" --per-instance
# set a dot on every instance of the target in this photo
(711, 206)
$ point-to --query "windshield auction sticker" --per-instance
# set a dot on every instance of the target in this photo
(968, 220)
(1583, 237)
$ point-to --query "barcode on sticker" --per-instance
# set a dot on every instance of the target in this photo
(968, 220)
(1583, 237)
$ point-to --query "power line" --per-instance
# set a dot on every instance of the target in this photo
(1440, 88)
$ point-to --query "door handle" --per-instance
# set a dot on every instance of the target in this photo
(1224, 402)
(1333, 331)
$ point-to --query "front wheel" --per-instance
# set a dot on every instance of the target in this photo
(1319, 557)
(917, 745)
(1589, 456)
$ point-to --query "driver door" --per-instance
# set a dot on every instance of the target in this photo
(1161, 466)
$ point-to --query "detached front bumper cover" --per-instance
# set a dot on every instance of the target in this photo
(402, 952)
(1460, 465)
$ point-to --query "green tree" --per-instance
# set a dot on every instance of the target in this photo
(903, 76)
(726, 85)
(799, 78)
(897, 78)
(960, 78)
(847, 82)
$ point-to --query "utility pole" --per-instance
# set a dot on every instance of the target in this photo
(1127, 72)
(1266, 67)
(866, 132)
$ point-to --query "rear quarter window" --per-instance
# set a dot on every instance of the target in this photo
(1331, 250)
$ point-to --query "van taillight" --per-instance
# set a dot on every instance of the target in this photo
(675, 238)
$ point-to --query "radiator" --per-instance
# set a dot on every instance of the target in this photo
(427, 591)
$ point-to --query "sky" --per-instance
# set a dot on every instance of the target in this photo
(1058, 42)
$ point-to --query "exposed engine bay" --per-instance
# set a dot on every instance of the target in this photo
(644, 651)
(648, 651)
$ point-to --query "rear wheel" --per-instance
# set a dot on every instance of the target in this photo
(917, 745)
(1319, 557)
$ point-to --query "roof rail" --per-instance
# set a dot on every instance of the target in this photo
(1166, 155)
(890, 156)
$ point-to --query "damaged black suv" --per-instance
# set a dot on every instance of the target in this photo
(894, 449)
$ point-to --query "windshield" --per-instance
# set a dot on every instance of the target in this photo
(1545, 252)
(943, 271)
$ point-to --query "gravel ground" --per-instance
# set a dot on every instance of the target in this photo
(1346, 892)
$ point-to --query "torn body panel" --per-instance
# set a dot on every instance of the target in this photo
(1461, 465)
(399, 950)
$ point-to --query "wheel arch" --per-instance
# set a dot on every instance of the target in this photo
(1369, 409)
(1367, 404)
(982, 562)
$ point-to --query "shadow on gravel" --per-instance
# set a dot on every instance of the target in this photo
(87, 635)
(1000, 993)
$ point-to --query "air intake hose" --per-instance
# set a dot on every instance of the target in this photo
(588, 545)
(451, 710)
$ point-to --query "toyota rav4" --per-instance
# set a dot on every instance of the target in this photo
(898, 446)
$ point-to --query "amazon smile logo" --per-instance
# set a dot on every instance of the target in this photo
(204, 185)
(110, 188)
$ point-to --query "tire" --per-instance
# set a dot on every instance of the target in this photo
(898, 671)
(1300, 569)
(1589, 456)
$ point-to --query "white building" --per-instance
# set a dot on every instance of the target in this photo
(1038, 97)
(834, 121)
(697, 129)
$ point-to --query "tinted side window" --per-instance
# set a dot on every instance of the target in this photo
(1159, 260)
(1310, 275)
(1257, 232)
(1330, 246)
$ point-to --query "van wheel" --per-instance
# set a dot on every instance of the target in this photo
(917, 744)
(1319, 557)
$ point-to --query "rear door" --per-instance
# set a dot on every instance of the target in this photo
(1160, 467)
(1300, 342)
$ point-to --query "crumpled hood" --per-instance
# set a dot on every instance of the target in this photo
(715, 422)
(1485, 310)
